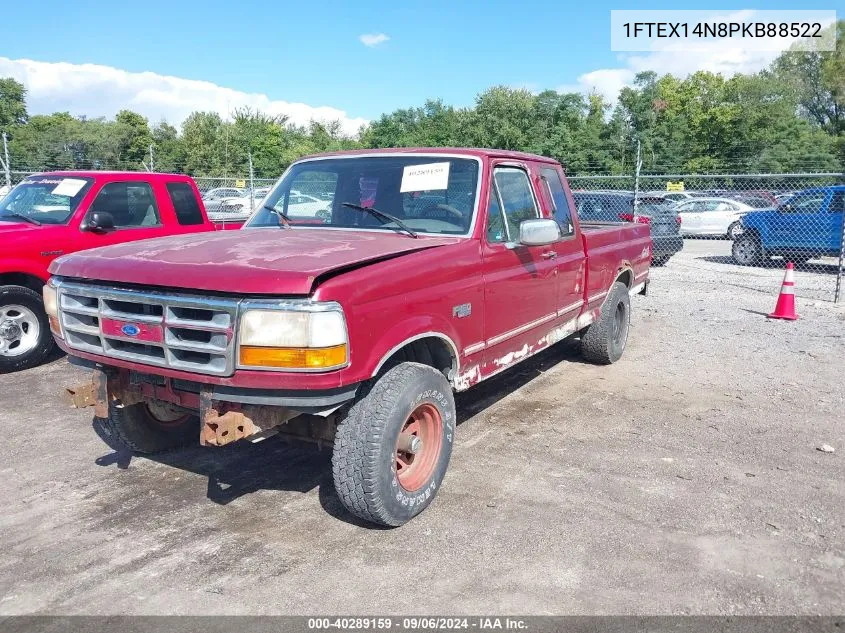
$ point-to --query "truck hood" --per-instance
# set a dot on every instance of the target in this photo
(13, 227)
(250, 261)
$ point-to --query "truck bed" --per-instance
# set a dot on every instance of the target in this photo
(608, 243)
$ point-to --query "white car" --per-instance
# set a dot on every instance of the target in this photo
(674, 196)
(304, 206)
(712, 217)
(220, 193)
(245, 204)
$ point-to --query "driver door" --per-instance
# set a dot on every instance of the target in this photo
(801, 225)
(134, 209)
(520, 282)
(690, 213)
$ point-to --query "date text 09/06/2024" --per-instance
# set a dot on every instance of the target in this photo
(683, 30)
(417, 623)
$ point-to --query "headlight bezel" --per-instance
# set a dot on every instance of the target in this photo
(51, 291)
(298, 308)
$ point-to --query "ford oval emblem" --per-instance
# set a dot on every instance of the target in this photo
(130, 330)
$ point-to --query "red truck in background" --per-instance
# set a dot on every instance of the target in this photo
(432, 270)
(51, 214)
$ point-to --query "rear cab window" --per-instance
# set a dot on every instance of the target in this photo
(188, 211)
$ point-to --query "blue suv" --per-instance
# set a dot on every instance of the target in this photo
(805, 226)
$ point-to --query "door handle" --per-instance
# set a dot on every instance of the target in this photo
(549, 255)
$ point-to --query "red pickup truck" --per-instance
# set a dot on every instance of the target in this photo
(47, 215)
(430, 271)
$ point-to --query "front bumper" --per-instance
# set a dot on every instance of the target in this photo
(187, 392)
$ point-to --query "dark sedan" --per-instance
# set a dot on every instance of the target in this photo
(656, 211)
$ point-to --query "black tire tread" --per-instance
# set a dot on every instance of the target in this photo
(357, 445)
(595, 342)
(128, 427)
(40, 353)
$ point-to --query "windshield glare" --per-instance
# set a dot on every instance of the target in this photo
(429, 194)
(45, 199)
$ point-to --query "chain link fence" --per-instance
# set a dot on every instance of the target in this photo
(744, 225)
(740, 223)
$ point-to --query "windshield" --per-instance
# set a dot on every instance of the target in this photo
(44, 199)
(805, 201)
(429, 194)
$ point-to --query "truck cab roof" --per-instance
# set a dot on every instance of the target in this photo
(453, 151)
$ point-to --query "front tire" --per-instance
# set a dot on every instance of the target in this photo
(149, 428)
(25, 337)
(392, 449)
(747, 250)
(604, 341)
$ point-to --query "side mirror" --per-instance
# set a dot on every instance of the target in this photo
(99, 222)
(539, 232)
(785, 208)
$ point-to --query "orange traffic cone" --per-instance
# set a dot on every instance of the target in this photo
(785, 308)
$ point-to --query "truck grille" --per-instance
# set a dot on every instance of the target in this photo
(167, 330)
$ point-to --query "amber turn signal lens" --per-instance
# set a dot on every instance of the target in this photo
(54, 325)
(293, 357)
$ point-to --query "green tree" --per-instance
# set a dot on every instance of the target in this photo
(133, 138)
(205, 144)
(169, 149)
(816, 80)
(12, 104)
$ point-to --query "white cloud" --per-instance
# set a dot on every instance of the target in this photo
(682, 57)
(94, 90)
(720, 59)
(373, 39)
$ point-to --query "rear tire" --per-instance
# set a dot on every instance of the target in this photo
(734, 231)
(375, 478)
(25, 337)
(604, 341)
(149, 428)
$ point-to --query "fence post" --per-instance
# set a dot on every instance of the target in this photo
(251, 184)
(637, 180)
(841, 260)
(5, 162)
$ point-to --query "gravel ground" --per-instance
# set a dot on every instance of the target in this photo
(816, 278)
(683, 479)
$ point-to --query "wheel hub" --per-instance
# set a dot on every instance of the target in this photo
(10, 331)
(418, 447)
(19, 330)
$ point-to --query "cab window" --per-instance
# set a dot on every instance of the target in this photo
(514, 191)
(131, 204)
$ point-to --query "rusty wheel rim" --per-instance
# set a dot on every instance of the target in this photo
(164, 416)
(418, 447)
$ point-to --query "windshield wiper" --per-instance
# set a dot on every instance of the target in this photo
(20, 216)
(282, 215)
(381, 215)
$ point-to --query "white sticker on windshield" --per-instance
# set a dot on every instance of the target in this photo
(432, 176)
(68, 187)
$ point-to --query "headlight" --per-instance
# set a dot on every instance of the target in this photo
(51, 307)
(293, 339)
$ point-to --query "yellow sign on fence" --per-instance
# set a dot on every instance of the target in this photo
(675, 186)
(240, 184)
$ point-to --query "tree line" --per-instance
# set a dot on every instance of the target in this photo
(789, 117)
